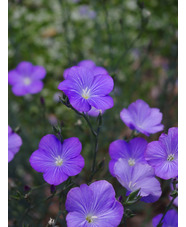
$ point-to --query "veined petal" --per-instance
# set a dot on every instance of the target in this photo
(79, 103)
(103, 196)
(71, 148)
(102, 85)
(119, 149)
(73, 166)
(103, 103)
(76, 219)
(51, 145)
(79, 199)
(54, 175)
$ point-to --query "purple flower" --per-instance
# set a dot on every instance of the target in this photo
(93, 205)
(26, 78)
(57, 161)
(170, 219)
(140, 176)
(89, 64)
(139, 116)
(133, 152)
(14, 143)
(85, 90)
(95, 112)
(162, 155)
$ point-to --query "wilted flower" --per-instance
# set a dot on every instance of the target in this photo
(26, 78)
(57, 161)
(140, 176)
(14, 143)
(139, 116)
(133, 152)
(93, 205)
(162, 155)
(85, 90)
(170, 219)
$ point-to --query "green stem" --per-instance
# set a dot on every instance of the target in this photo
(166, 210)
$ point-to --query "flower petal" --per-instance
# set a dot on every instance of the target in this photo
(54, 175)
(119, 149)
(71, 148)
(73, 166)
(102, 85)
(76, 219)
(35, 87)
(79, 199)
(38, 72)
(103, 103)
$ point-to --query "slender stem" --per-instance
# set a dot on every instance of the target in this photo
(166, 210)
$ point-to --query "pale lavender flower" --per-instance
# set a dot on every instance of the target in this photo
(14, 143)
(140, 176)
(132, 151)
(26, 78)
(57, 161)
(93, 205)
(162, 155)
(139, 116)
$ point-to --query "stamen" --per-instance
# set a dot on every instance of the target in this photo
(86, 93)
(170, 157)
(27, 81)
(90, 218)
(59, 161)
(131, 162)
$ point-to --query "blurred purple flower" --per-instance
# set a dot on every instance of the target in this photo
(85, 90)
(162, 155)
(170, 219)
(93, 205)
(140, 176)
(86, 11)
(14, 143)
(57, 161)
(26, 78)
(89, 64)
(133, 152)
(139, 116)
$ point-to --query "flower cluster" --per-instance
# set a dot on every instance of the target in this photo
(135, 163)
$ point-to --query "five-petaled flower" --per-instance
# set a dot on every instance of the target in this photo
(93, 205)
(14, 143)
(133, 152)
(162, 155)
(85, 90)
(26, 78)
(140, 176)
(57, 161)
(139, 116)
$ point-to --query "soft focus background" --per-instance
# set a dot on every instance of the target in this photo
(136, 41)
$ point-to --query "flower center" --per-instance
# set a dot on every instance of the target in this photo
(170, 157)
(90, 218)
(131, 162)
(86, 93)
(27, 81)
(59, 161)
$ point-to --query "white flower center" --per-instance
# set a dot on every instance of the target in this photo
(170, 157)
(86, 93)
(131, 162)
(59, 161)
(27, 81)
(90, 218)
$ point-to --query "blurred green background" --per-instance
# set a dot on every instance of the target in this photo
(136, 41)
